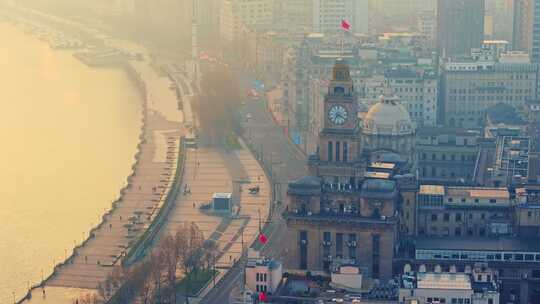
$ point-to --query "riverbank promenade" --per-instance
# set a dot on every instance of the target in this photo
(208, 170)
(140, 201)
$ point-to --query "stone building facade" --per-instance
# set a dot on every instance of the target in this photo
(446, 155)
(337, 214)
(469, 88)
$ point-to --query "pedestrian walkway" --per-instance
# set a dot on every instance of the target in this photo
(140, 201)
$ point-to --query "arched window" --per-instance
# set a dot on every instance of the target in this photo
(339, 90)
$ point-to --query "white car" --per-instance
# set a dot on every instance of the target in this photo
(248, 116)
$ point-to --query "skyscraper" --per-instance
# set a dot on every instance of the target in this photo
(460, 26)
(527, 27)
(328, 14)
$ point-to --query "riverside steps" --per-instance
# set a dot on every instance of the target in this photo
(140, 201)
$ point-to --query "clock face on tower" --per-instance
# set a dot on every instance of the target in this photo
(338, 115)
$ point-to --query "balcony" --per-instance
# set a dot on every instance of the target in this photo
(351, 244)
(341, 188)
(341, 218)
(327, 243)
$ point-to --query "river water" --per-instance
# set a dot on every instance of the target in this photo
(68, 137)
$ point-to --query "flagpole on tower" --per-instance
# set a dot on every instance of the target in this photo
(345, 26)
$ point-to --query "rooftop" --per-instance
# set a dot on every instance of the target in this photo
(473, 192)
(477, 244)
(477, 192)
(431, 190)
(459, 281)
(502, 113)
(434, 131)
(222, 195)
(381, 165)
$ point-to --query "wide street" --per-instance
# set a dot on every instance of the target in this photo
(285, 163)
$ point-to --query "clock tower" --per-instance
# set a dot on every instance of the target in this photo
(339, 144)
(340, 107)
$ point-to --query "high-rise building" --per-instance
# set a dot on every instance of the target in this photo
(499, 19)
(254, 14)
(293, 16)
(328, 14)
(527, 28)
(208, 21)
(460, 26)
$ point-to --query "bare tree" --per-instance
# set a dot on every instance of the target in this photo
(156, 273)
(218, 102)
(88, 299)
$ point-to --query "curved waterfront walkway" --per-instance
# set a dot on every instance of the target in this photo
(140, 201)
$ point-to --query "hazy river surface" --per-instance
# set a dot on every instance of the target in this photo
(68, 136)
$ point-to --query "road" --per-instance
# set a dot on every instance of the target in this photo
(288, 164)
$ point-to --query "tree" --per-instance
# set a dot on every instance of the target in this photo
(171, 257)
(210, 247)
(156, 273)
(218, 102)
(88, 299)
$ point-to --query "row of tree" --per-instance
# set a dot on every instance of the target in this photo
(155, 279)
(218, 102)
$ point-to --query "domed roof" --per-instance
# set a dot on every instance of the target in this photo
(388, 117)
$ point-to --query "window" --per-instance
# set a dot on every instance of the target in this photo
(446, 217)
(458, 217)
(330, 151)
(352, 247)
(482, 231)
(457, 231)
(339, 245)
(434, 217)
(338, 151)
(327, 237)
(492, 200)
(375, 241)
(345, 151)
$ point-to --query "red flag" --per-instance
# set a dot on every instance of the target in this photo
(204, 56)
(262, 297)
(345, 25)
(263, 239)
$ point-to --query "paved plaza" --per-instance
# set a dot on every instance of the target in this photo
(208, 171)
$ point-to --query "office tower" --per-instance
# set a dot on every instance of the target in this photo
(460, 26)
